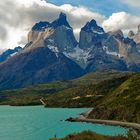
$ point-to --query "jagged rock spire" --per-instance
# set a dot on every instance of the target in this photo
(62, 16)
(62, 20)
(92, 26)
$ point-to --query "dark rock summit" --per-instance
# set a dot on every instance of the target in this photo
(62, 20)
(92, 27)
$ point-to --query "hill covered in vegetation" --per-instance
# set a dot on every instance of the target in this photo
(123, 103)
(80, 92)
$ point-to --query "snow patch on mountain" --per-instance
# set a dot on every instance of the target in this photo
(53, 49)
(79, 55)
(111, 52)
(97, 32)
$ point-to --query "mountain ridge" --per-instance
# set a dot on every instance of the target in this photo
(65, 58)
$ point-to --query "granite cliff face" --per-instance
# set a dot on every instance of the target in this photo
(52, 53)
(56, 35)
(91, 34)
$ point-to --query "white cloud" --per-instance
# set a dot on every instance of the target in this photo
(121, 20)
(18, 16)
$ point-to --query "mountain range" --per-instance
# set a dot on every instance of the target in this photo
(53, 53)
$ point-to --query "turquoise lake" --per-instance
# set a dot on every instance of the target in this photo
(39, 123)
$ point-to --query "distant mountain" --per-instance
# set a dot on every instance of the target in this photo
(108, 50)
(98, 50)
(39, 65)
(52, 53)
(8, 53)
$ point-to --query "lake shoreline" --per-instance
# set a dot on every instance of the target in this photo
(134, 127)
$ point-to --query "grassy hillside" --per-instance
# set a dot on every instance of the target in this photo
(32, 94)
(81, 92)
(84, 95)
(123, 103)
(87, 135)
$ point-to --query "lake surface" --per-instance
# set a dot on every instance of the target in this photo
(39, 123)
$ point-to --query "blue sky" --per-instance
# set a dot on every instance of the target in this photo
(106, 7)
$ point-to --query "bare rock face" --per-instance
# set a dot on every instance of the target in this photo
(117, 34)
(137, 36)
(91, 34)
(57, 34)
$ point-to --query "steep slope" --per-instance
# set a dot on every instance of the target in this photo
(121, 104)
(38, 65)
